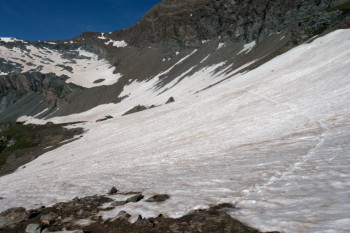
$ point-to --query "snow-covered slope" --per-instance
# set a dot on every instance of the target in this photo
(82, 67)
(274, 141)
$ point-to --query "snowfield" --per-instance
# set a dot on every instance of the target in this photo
(275, 141)
(84, 71)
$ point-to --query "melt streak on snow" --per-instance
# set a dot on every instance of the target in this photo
(274, 141)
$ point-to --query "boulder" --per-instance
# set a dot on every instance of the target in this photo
(113, 190)
(118, 203)
(158, 198)
(135, 198)
(170, 100)
(135, 109)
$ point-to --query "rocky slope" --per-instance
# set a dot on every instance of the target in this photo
(190, 22)
(103, 63)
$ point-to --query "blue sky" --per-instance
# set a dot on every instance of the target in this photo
(64, 19)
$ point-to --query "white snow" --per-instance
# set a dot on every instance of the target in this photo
(220, 45)
(177, 53)
(274, 141)
(102, 37)
(204, 59)
(205, 41)
(41, 112)
(85, 71)
(248, 47)
(118, 44)
(10, 39)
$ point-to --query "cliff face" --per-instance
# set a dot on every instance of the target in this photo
(188, 22)
(19, 89)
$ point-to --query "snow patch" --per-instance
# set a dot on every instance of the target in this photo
(205, 58)
(10, 39)
(41, 112)
(118, 44)
(221, 45)
(247, 47)
(102, 37)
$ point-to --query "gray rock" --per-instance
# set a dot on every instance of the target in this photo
(118, 203)
(33, 228)
(48, 217)
(135, 109)
(158, 198)
(123, 215)
(170, 100)
(135, 198)
(83, 213)
(113, 190)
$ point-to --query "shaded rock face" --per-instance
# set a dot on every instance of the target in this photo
(54, 90)
(189, 22)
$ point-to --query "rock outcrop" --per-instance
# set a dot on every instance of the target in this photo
(53, 90)
(188, 22)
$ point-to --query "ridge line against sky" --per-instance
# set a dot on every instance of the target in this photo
(62, 20)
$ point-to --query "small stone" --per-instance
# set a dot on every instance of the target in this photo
(33, 228)
(143, 222)
(118, 203)
(45, 222)
(135, 198)
(48, 217)
(170, 100)
(113, 190)
(123, 215)
(158, 198)
(83, 213)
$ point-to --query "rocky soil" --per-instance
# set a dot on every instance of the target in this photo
(84, 215)
(20, 144)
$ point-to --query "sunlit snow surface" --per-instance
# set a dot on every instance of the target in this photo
(85, 70)
(275, 141)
